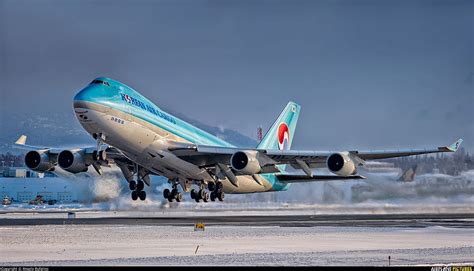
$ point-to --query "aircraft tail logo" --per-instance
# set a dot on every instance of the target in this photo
(283, 137)
(281, 133)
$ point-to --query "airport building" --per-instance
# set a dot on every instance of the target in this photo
(21, 185)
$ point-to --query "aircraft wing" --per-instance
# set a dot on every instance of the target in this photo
(209, 156)
(314, 159)
(21, 144)
(112, 152)
(113, 155)
(218, 159)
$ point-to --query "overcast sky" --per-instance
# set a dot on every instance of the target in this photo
(368, 74)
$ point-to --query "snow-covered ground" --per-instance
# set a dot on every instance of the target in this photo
(157, 209)
(223, 245)
(108, 244)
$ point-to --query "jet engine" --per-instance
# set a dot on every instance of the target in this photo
(245, 162)
(74, 161)
(341, 164)
(40, 161)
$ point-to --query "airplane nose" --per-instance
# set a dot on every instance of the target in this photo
(82, 102)
(97, 91)
(84, 94)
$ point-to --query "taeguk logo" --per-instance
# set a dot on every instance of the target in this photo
(283, 137)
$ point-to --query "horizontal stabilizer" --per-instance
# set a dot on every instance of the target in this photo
(315, 178)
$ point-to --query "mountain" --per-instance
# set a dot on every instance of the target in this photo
(229, 135)
(63, 130)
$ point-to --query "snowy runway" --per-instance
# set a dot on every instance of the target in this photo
(232, 245)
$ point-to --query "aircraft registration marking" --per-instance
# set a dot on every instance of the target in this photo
(118, 120)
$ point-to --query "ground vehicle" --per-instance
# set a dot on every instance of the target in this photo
(37, 201)
(6, 200)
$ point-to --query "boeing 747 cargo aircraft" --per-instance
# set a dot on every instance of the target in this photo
(142, 140)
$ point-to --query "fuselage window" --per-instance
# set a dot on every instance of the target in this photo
(100, 82)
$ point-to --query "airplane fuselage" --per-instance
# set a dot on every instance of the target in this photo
(143, 132)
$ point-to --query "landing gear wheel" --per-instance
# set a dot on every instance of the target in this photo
(193, 193)
(179, 197)
(206, 197)
(220, 195)
(174, 192)
(170, 199)
(213, 196)
(142, 195)
(197, 199)
(211, 186)
(134, 195)
(201, 193)
(166, 193)
(132, 185)
(140, 185)
(219, 185)
(102, 155)
(95, 157)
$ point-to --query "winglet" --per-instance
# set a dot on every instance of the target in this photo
(455, 146)
(21, 140)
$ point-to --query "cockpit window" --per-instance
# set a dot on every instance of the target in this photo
(100, 82)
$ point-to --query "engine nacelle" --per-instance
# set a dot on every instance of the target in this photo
(40, 161)
(245, 162)
(74, 161)
(341, 164)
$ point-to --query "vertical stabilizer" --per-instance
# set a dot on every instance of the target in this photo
(281, 133)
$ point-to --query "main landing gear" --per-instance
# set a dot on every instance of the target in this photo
(215, 192)
(173, 194)
(199, 195)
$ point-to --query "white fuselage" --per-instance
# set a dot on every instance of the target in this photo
(147, 145)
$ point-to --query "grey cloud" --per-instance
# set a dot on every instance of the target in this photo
(365, 72)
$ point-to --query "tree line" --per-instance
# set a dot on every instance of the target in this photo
(445, 163)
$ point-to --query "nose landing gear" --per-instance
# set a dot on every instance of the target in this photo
(138, 193)
(137, 188)
(132, 185)
(142, 195)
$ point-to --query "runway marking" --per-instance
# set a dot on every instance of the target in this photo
(392, 220)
